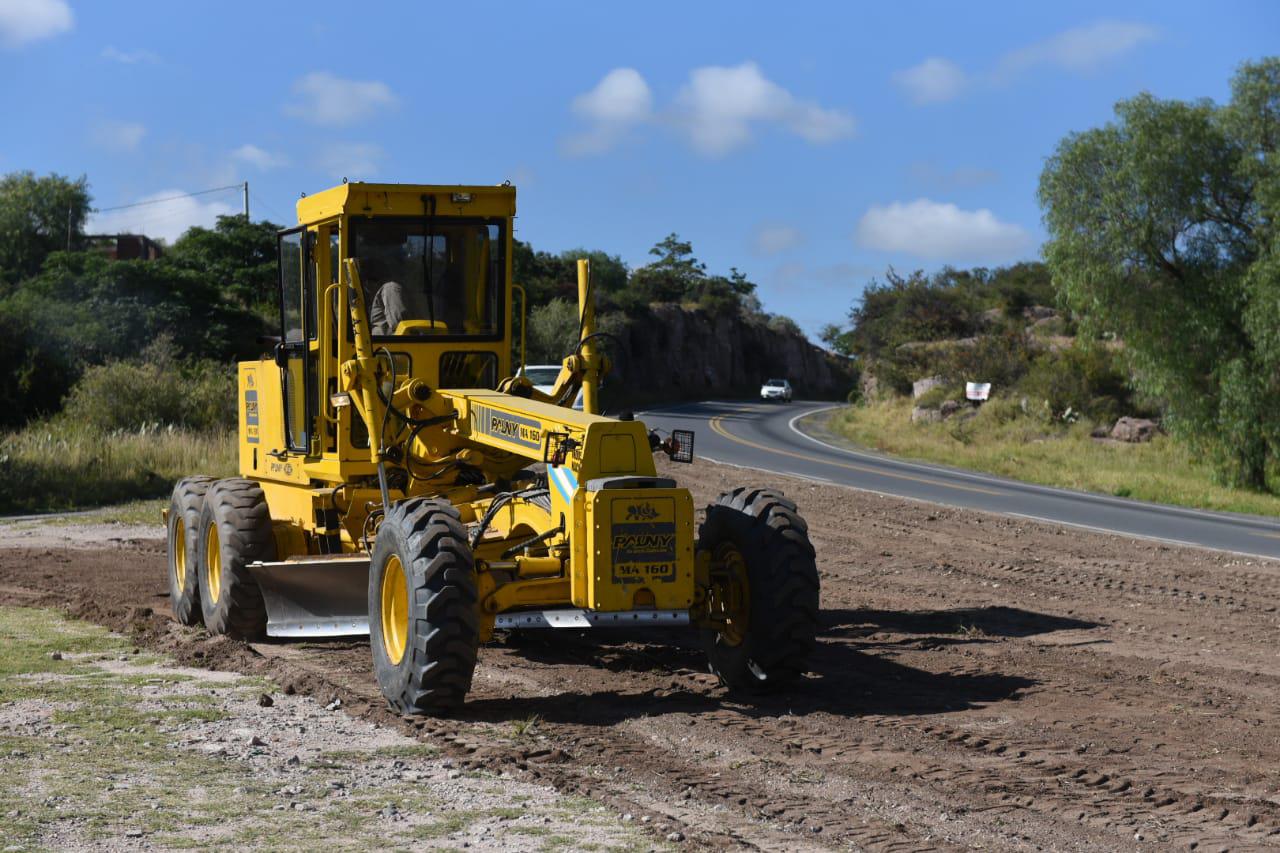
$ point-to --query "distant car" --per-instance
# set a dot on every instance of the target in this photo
(776, 390)
(543, 377)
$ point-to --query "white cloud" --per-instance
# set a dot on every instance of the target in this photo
(166, 219)
(357, 161)
(118, 135)
(326, 99)
(1081, 49)
(621, 96)
(719, 105)
(774, 238)
(932, 81)
(23, 21)
(716, 109)
(258, 157)
(619, 102)
(942, 231)
(131, 57)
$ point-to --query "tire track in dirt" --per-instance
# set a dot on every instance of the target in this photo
(979, 681)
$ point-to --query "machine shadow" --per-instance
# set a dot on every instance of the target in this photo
(852, 674)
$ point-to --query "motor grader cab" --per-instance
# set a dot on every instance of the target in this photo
(399, 478)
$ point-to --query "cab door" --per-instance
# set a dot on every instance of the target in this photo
(295, 333)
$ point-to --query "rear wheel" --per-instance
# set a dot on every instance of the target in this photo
(184, 548)
(235, 531)
(763, 600)
(423, 624)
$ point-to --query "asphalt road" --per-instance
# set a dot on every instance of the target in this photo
(785, 439)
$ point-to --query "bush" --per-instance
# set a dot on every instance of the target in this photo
(1087, 382)
(553, 331)
(936, 396)
(999, 359)
(784, 325)
(157, 388)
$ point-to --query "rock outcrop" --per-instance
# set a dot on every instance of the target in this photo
(925, 415)
(923, 386)
(674, 352)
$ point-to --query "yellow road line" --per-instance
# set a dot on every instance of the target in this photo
(718, 427)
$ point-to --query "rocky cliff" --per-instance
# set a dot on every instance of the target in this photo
(674, 352)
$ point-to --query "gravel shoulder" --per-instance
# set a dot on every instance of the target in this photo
(104, 746)
(981, 681)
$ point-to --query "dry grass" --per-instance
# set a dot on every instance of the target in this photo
(52, 466)
(998, 441)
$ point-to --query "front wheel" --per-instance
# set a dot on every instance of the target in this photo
(762, 612)
(423, 624)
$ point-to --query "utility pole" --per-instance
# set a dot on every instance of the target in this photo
(68, 226)
(246, 202)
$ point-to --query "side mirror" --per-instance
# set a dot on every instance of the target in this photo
(282, 358)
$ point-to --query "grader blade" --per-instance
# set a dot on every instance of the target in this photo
(317, 597)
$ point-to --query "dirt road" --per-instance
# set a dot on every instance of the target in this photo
(981, 682)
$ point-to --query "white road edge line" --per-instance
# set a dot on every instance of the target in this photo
(1241, 518)
(1158, 539)
(1036, 518)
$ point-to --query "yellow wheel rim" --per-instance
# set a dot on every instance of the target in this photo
(734, 594)
(395, 610)
(180, 555)
(213, 562)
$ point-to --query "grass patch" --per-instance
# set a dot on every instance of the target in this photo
(526, 727)
(90, 757)
(105, 759)
(57, 466)
(998, 441)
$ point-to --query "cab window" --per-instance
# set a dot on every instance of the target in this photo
(439, 278)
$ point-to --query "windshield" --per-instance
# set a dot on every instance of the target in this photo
(447, 283)
(542, 375)
(776, 383)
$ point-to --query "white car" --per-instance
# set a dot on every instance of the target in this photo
(543, 377)
(776, 390)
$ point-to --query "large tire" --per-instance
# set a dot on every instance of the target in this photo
(422, 579)
(184, 548)
(235, 531)
(772, 540)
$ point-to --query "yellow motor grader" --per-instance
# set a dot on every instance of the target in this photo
(399, 479)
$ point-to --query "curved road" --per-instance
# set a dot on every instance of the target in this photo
(784, 439)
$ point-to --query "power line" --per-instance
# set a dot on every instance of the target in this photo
(170, 198)
(269, 208)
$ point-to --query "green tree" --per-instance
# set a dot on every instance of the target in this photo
(836, 339)
(38, 216)
(84, 308)
(99, 309)
(546, 276)
(912, 308)
(675, 276)
(553, 331)
(239, 255)
(1163, 231)
(38, 371)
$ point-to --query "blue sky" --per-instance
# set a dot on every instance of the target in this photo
(810, 145)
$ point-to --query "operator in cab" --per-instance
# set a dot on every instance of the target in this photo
(401, 295)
